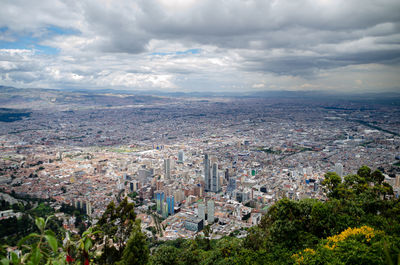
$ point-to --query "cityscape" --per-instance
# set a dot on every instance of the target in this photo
(174, 132)
(194, 161)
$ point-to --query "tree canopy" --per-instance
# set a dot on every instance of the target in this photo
(358, 223)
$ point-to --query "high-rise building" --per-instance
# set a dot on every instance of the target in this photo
(159, 184)
(210, 211)
(242, 196)
(194, 224)
(215, 185)
(339, 169)
(133, 186)
(88, 208)
(171, 204)
(227, 174)
(84, 206)
(207, 173)
(167, 168)
(181, 156)
(77, 204)
(197, 190)
(231, 185)
(145, 175)
(179, 195)
(201, 211)
(164, 210)
(309, 171)
(159, 200)
(120, 183)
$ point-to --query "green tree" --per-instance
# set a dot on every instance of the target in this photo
(42, 210)
(356, 183)
(363, 245)
(136, 250)
(364, 172)
(43, 247)
(116, 225)
(165, 255)
(331, 184)
(85, 246)
(377, 177)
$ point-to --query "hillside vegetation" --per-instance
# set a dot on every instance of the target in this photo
(359, 223)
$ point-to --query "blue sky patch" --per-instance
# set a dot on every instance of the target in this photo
(187, 52)
(53, 30)
(31, 42)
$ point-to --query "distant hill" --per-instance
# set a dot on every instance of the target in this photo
(66, 99)
(39, 98)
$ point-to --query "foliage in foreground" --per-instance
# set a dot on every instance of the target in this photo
(358, 224)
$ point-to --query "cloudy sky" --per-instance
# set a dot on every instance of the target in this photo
(201, 45)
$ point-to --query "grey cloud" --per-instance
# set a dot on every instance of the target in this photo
(307, 66)
(117, 27)
(257, 25)
(26, 16)
(24, 77)
(282, 37)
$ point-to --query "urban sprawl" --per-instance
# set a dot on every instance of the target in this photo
(194, 162)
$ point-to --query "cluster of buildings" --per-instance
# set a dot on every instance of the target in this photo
(216, 164)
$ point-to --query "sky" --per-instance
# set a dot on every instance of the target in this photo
(201, 45)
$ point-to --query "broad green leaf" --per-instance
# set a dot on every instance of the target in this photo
(48, 218)
(96, 232)
(51, 240)
(88, 244)
(50, 232)
(56, 262)
(36, 256)
(81, 244)
(40, 223)
(24, 258)
(87, 232)
(23, 240)
(14, 258)
(5, 261)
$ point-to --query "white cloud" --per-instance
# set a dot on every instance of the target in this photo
(259, 85)
(243, 44)
(7, 66)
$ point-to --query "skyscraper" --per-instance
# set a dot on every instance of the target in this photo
(167, 168)
(201, 211)
(164, 210)
(170, 203)
(231, 185)
(159, 200)
(207, 175)
(145, 175)
(88, 208)
(133, 186)
(210, 211)
(339, 169)
(309, 171)
(181, 156)
(227, 174)
(215, 185)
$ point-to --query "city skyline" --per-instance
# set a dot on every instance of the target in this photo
(199, 132)
(186, 46)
